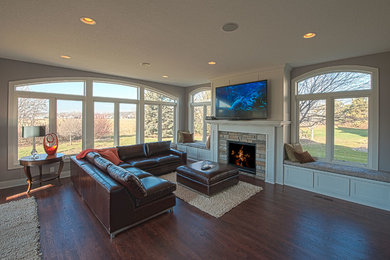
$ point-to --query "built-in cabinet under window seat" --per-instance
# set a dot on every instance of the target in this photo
(359, 185)
(195, 150)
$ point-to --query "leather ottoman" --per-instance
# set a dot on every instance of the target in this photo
(208, 182)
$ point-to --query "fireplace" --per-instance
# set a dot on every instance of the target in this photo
(242, 155)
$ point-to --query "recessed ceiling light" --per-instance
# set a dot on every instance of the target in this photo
(65, 56)
(165, 76)
(212, 62)
(309, 35)
(145, 65)
(88, 20)
(229, 27)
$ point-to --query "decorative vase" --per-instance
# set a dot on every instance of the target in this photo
(50, 143)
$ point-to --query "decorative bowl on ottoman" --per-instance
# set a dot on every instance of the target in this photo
(210, 180)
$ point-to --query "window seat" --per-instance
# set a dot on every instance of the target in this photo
(196, 150)
(355, 184)
(196, 144)
(345, 170)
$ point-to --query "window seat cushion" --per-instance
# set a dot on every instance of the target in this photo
(345, 170)
(195, 144)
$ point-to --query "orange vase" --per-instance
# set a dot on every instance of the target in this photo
(50, 143)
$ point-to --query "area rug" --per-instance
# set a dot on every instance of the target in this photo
(218, 204)
(19, 230)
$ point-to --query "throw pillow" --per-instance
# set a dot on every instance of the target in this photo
(304, 157)
(188, 138)
(290, 149)
(111, 156)
(208, 142)
(180, 135)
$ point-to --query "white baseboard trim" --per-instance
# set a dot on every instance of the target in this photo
(20, 182)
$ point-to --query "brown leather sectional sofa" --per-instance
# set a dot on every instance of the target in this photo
(125, 195)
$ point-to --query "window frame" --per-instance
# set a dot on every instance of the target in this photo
(329, 97)
(160, 104)
(87, 110)
(192, 106)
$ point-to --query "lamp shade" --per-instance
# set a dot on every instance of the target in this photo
(33, 131)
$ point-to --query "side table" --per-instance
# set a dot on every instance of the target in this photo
(42, 159)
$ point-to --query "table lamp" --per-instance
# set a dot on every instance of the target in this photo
(33, 131)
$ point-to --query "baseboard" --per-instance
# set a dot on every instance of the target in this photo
(22, 181)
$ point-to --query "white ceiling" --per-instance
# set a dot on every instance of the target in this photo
(179, 37)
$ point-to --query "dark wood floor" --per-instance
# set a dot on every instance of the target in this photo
(277, 223)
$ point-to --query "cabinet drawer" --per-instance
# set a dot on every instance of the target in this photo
(332, 185)
(299, 178)
(376, 194)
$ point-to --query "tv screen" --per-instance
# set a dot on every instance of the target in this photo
(242, 101)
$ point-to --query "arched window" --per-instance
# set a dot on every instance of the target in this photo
(336, 115)
(200, 107)
(87, 113)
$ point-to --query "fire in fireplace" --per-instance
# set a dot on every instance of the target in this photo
(243, 155)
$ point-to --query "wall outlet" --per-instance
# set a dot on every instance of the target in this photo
(51, 169)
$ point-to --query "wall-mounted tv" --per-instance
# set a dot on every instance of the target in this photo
(242, 101)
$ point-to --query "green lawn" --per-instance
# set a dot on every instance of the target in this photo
(346, 140)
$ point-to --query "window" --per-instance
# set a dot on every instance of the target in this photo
(200, 107)
(160, 114)
(87, 113)
(104, 124)
(70, 126)
(66, 88)
(127, 124)
(336, 118)
(31, 112)
(56, 105)
(113, 90)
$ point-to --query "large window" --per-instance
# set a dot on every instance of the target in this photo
(336, 115)
(200, 107)
(87, 113)
(160, 114)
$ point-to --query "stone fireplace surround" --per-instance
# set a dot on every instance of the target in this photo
(271, 138)
(258, 139)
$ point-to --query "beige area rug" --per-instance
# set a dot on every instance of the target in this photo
(218, 204)
(19, 230)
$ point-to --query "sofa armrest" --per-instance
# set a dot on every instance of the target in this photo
(182, 155)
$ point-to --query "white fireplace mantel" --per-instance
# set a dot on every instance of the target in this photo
(271, 123)
(274, 141)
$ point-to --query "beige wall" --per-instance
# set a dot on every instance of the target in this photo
(382, 62)
(11, 70)
(277, 89)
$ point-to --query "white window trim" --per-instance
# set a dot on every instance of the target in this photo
(88, 109)
(192, 105)
(373, 124)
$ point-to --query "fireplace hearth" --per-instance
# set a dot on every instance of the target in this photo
(242, 155)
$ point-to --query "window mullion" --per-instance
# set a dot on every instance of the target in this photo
(52, 115)
(329, 129)
(88, 117)
(160, 123)
(204, 138)
(116, 123)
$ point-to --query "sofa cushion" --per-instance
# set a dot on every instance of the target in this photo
(167, 159)
(143, 163)
(157, 148)
(156, 188)
(139, 173)
(131, 151)
(91, 157)
(102, 163)
(131, 182)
